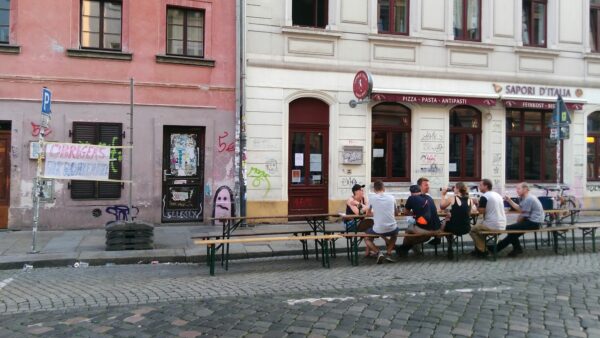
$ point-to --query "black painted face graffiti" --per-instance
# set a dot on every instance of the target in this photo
(223, 205)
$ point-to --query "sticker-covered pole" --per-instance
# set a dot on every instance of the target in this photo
(37, 184)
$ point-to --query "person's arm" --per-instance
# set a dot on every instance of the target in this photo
(512, 203)
(445, 202)
(353, 205)
(482, 205)
(396, 211)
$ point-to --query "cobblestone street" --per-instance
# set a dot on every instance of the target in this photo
(538, 295)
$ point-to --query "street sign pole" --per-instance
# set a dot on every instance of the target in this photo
(37, 184)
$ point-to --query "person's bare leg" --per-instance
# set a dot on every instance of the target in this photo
(372, 247)
(391, 244)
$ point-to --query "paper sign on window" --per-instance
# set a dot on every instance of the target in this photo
(378, 153)
(452, 167)
(296, 176)
(298, 159)
(315, 162)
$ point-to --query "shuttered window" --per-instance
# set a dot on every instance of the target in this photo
(103, 134)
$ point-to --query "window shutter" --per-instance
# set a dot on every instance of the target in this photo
(84, 133)
(105, 134)
(111, 134)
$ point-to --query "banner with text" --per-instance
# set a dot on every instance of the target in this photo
(73, 161)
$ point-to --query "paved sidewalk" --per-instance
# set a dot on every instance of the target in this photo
(172, 243)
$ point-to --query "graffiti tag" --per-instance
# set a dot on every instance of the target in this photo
(223, 145)
(349, 181)
(271, 166)
(593, 188)
(36, 129)
(260, 177)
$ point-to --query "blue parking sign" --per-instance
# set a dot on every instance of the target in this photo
(46, 99)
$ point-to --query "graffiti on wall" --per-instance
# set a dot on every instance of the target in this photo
(36, 129)
(271, 166)
(223, 144)
(260, 178)
(223, 203)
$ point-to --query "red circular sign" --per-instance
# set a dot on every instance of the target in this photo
(363, 85)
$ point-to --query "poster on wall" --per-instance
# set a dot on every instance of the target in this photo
(73, 161)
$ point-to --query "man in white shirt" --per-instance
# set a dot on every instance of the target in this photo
(384, 212)
(491, 207)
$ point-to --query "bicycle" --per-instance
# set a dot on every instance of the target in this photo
(561, 201)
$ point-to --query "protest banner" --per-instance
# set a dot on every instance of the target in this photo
(73, 161)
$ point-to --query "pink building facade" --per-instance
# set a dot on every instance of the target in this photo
(182, 57)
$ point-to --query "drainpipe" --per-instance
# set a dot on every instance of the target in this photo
(240, 128)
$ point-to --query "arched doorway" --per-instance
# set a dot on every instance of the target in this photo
(308, 169)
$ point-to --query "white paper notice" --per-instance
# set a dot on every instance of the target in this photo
(298, 159)
(377, 152)
(452, 167)
(315, 162)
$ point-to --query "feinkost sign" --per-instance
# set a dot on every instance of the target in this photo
(77, 161)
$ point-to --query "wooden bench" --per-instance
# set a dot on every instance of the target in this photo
(212, 243)
(316, 222)
(356, 236)
(491, 236)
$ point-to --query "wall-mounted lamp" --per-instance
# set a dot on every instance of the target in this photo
(354, 103)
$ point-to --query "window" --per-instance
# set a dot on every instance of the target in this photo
(185, 32)
(595, 25)
(4, 20)
(467, 20)
(309, 13)
(465, 144)
(106, 134)
(393, 16)
(101, 24)
(593, 147)
(530, 153)
(391, 142)
(534, 23)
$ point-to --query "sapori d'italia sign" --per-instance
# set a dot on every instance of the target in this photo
(77, 161)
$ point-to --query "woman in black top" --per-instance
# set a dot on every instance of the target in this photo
(459, 220)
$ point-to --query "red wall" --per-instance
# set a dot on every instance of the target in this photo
(46, 29)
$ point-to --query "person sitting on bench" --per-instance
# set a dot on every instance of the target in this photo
(384, 212)
(531, 218)
(458, 221)
(494, 218)
(357, 204)
(424, 212)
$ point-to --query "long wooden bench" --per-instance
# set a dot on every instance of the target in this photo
(355, 236)
(212, 243)
(558, 232)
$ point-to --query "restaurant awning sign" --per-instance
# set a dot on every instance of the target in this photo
(73, 161)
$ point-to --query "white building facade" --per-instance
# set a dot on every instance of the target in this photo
(462, 90)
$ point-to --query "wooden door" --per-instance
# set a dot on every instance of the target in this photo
(183, 174)
(4, 178)
(308, 171)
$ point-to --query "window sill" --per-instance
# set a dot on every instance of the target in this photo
(311, 31)
(99, 54)
(9, 49)
(463, 44)
(185, 60)
(395, 38)
(540, 51)
(592, 56)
